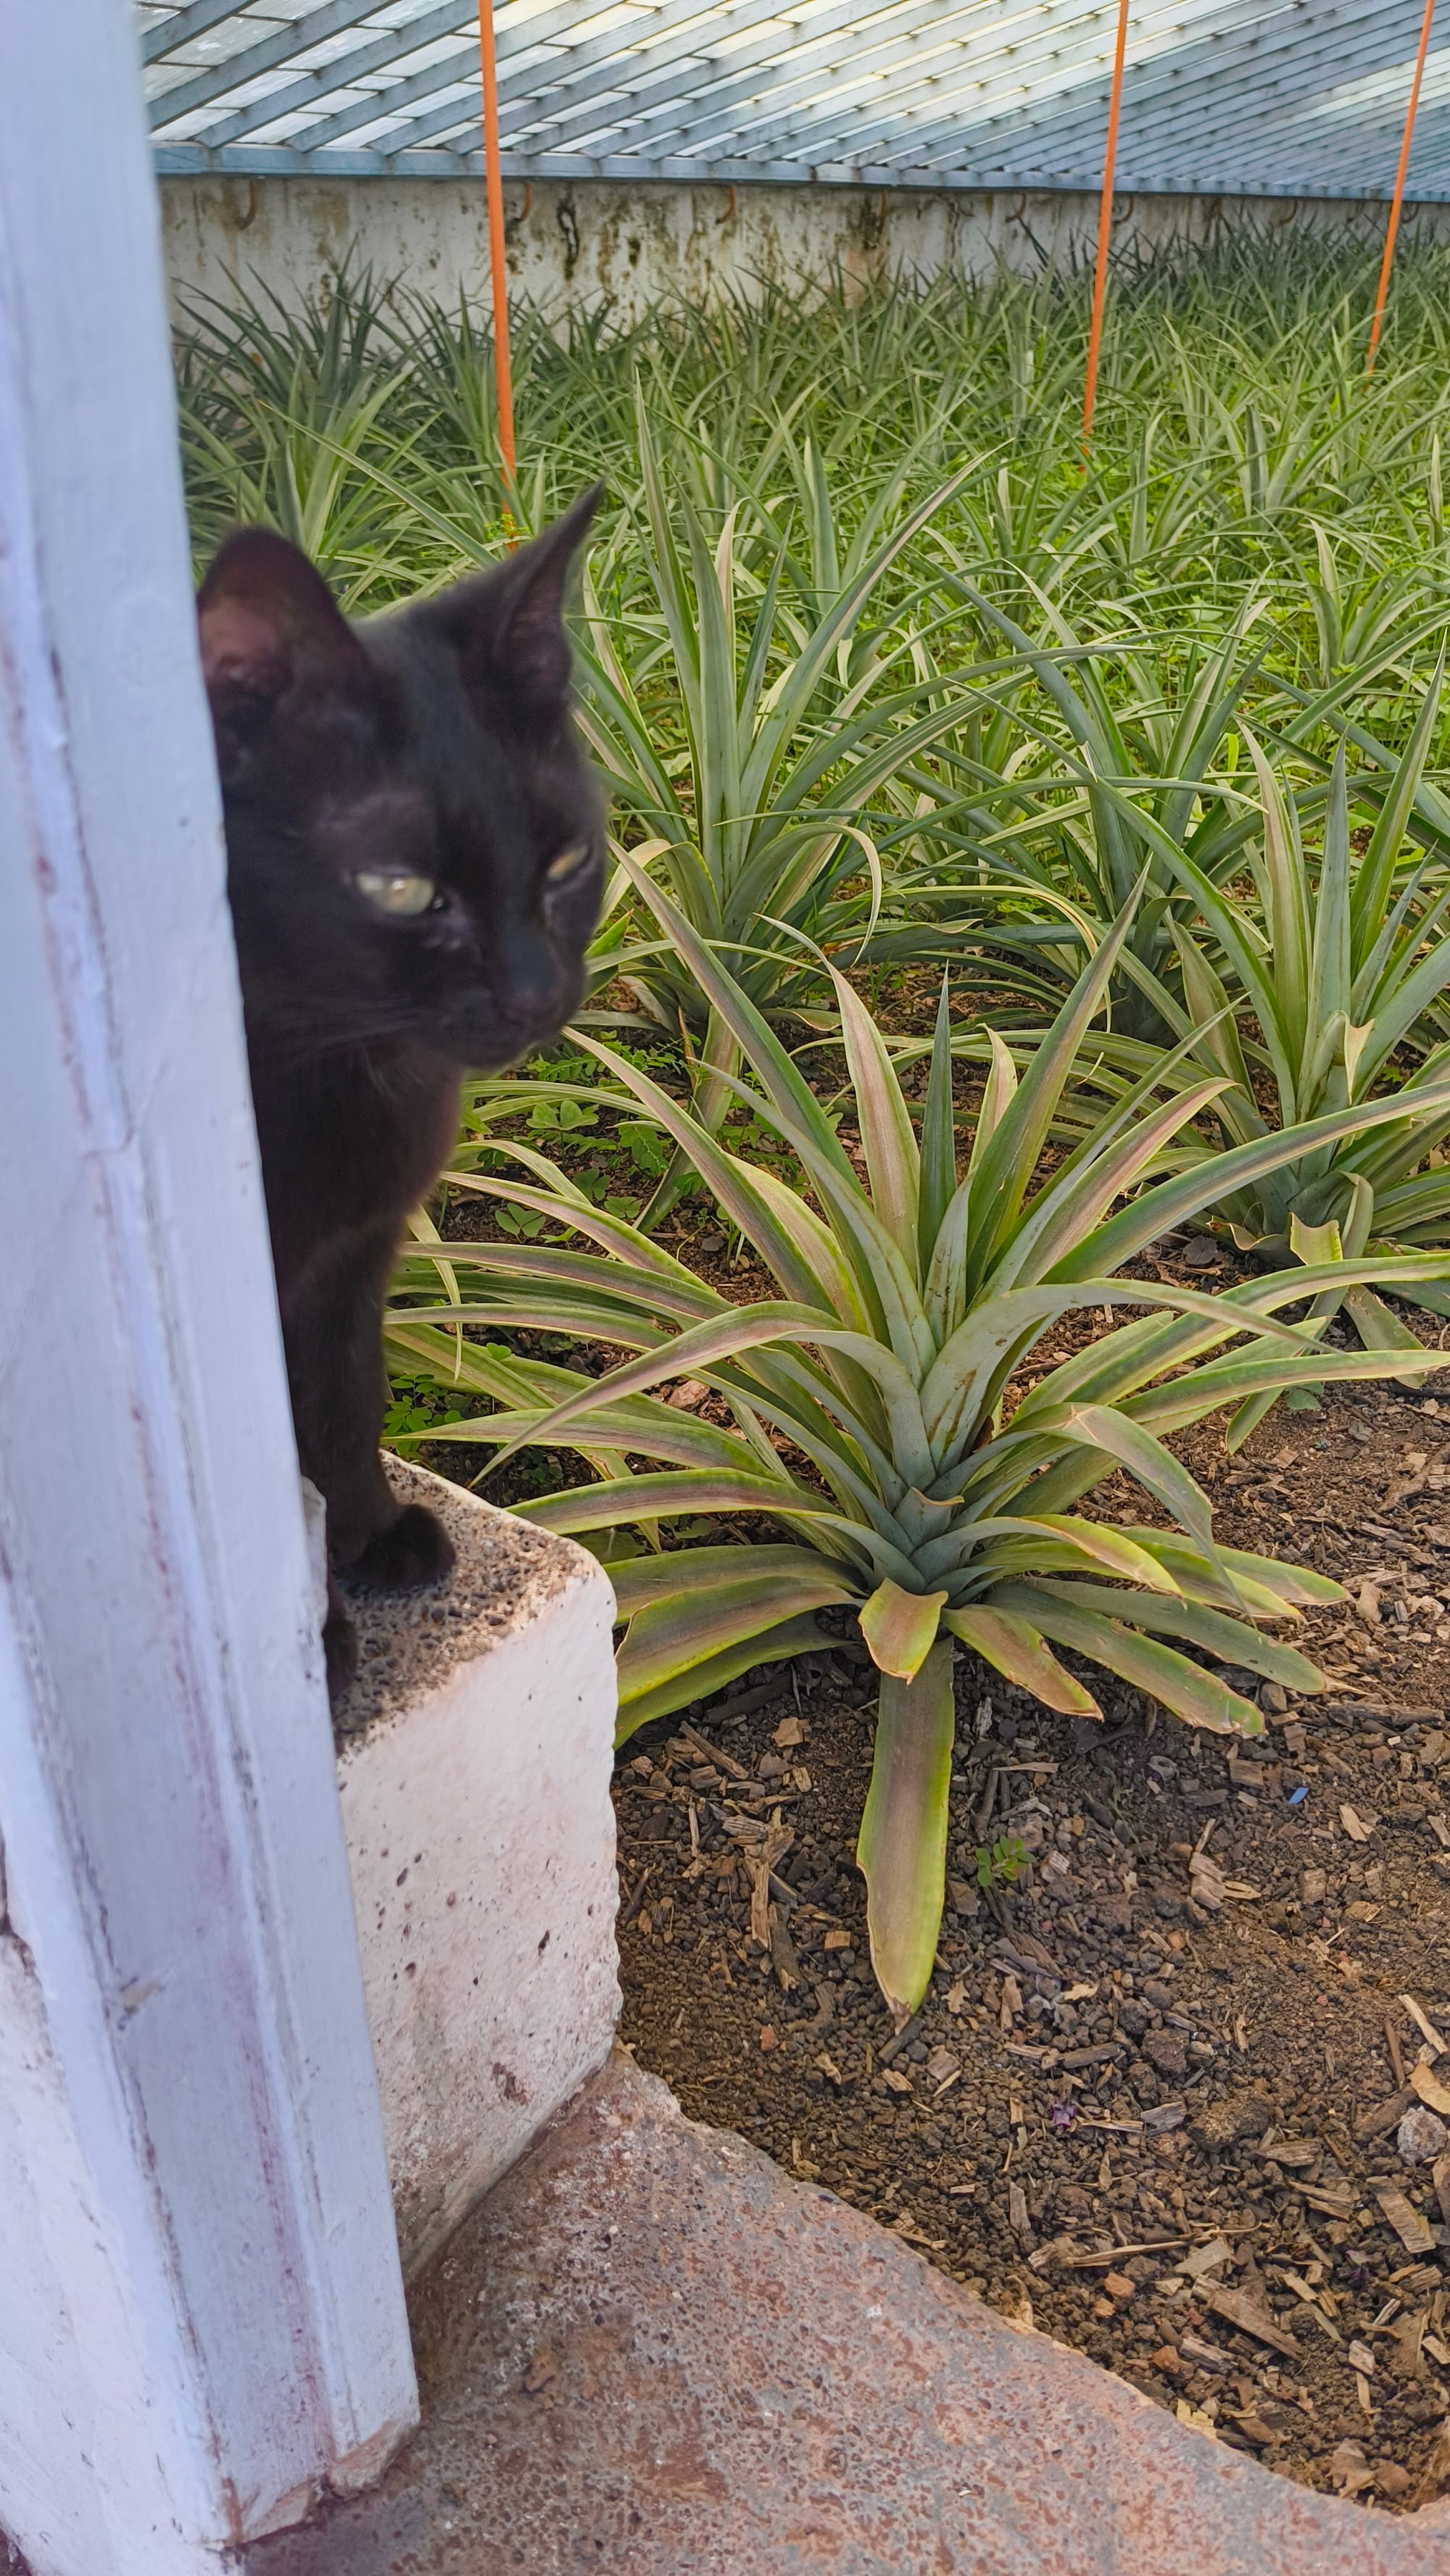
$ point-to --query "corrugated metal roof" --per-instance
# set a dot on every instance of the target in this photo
(1291, 98)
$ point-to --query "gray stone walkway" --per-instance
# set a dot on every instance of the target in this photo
(649, 2351)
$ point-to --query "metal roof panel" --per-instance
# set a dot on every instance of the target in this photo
(1254, 97)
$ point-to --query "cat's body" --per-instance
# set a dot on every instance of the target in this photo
(414, 848)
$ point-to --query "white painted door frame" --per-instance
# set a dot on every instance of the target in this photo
(201, 2311)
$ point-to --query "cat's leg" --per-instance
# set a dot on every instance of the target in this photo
(332, 1326)
(339, 1642)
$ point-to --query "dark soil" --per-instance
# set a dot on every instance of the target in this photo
(1085, 2114)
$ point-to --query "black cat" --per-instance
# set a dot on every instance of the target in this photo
(414, 861)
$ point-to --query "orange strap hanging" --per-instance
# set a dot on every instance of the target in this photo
(497, 254)
(1398, 199)
(1105, 226)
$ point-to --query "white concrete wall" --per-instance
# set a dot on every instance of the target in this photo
(74, 2387)
(475, 1769)
(588, 240)
(201, 2305)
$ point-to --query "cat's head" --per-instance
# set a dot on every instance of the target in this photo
(415, 841)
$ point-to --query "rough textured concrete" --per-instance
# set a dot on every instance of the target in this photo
(633, 245)
(505, 1573)
(649, 2351)
(474, 1763)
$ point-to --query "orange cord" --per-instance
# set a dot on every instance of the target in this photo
(1105, 226)
(1397, 200)
(497, 258)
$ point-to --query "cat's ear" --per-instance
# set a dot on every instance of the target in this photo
(268, 625)
(508, 624)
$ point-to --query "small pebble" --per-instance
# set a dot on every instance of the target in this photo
(1421, 2138)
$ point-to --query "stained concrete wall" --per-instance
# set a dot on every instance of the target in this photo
(574, 241)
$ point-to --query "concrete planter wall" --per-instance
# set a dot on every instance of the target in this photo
(474, 1765)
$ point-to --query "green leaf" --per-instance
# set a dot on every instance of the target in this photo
(1103, 1427)
(670, 1635)
(1212, 1181)
(903, 1841)
(779, 1075)
(888, 1138)
(1000, 1181)
(1209, 1008)
(1288, 907)
(1294, 1586)
(1098, 1543)
(1380, 1329)
(1232, 1640)
(1376, 875)
(1312, 1244)
(701, 1680)
(900, 1628)
(723, 1336)
(744, 1193)
(996, 1099)
(728, 1574)
(1069, 1208)
(1331, 979)
(1014, 1648)
(1186, 1688)
(658, 1498)
(938, 1180)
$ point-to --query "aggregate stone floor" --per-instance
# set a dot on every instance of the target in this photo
(648, 2350)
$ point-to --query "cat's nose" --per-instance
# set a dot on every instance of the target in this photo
(532, 993)
(537, 1008)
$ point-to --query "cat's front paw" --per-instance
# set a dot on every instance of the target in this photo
(414, 1551)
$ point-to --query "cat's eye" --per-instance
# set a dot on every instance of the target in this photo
(397, 895)
(567, 864)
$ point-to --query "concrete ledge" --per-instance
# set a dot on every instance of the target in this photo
(474, 1759)
(650, 2351)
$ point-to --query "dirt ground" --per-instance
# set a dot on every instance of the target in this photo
(1162, 2089)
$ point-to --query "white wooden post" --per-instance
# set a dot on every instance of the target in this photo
(201, 2313)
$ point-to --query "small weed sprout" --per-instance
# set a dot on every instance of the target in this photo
(1003, 1864)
